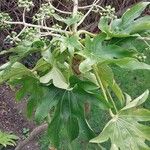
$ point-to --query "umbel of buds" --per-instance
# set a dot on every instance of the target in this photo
(3, 18)
(26, 4)
(44, 13)
(109, 12)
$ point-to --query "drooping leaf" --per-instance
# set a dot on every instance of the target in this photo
(30, 87)
(15, 71)
(57, 77)
(50, 99)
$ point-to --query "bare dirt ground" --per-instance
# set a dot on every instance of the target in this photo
(12, 117)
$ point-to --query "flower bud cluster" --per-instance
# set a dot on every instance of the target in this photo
(30, 33)
(57, 26)
(27, 4)
(3, 18)
(12, 38)
(44, 13)
(109, 12)
(141, 57)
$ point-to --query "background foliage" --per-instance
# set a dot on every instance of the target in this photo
(127, 86)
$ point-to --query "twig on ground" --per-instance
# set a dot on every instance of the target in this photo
(32, 135)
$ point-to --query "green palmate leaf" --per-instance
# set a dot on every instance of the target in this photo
(96, 51)
(124, 129)
(57, 77)
(68, 105)
(50, 99)
(134, 12)
(125, 132)
(7, 139)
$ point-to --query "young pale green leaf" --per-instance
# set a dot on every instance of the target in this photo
(42, 66)
(138, 114)
(57, 77)
(86, 65)
(134, 12)
(7, 139)
(138, 101)
(47, 56)
(104, 26)
(125, 132)
(69, 21)
(4, 66)
(71, 43)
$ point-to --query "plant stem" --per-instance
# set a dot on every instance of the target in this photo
(58, 10)
(116, 110)
(91, 8)
(95, 69)
(74, 13)
(38, 26)
(86, 32)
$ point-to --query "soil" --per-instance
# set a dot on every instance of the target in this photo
(12, 117)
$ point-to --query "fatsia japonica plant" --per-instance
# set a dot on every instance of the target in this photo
(75, 68)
